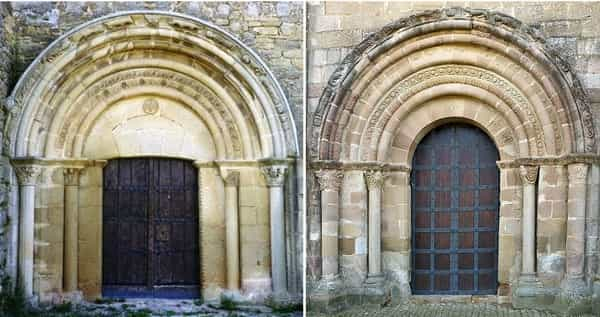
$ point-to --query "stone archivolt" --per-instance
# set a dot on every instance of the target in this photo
(452, 65)
(149, 83)
(96, 61)
(360, 109)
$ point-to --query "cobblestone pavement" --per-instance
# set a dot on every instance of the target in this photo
(439, 310)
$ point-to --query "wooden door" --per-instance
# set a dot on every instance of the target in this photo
(455, 188)
(150, 228)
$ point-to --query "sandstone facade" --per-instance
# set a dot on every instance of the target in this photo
(98, 81)
(381, 75)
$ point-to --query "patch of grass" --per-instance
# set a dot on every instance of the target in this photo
(286, 309)
(140, 313)
(283, 308)
(108, 301)
(228, 303)
(12, 303)
(170, 313)
(62, 308)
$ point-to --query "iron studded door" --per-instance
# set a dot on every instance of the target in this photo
(455, 184)
(150, 228)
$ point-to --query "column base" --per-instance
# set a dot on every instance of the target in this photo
(530, 293)
(596, 298)
(374, 289)
(283, 301)
(575, 296)
(328, 295)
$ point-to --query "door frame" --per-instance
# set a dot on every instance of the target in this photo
(411, 214)
(151, 290)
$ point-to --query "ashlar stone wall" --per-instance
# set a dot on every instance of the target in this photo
(343, 39)
(274, 30)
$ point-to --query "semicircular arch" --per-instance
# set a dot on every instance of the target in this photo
(126, 55)
(501, 59)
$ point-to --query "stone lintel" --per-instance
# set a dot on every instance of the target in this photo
(64, 162)
(359, 165)
(568, 159)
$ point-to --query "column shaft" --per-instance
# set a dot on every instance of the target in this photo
(529, 177)
(277, 239)
(275, 176)
(329, 182)
(27, 176)
(374, 185)
(232, 238)
(71, 238)
(576, 220)
(26, 239)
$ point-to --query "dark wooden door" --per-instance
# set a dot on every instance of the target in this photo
(150, 228)
(455, 185)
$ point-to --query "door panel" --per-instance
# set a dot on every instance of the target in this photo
(150, 226)
(455, 185)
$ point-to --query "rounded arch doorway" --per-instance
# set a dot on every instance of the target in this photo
(455, 204)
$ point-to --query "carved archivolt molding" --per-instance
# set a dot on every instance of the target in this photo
(132, 79)
(329, 179)
(468, 75)
(553, 72)
(529, 173)
(108, 41)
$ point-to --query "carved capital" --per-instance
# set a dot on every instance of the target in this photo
(232, 178)
(374, 179)
(329, 179)
(27, 174)
(529, 173)
(71, 176)
(577, 173)
(274, 175)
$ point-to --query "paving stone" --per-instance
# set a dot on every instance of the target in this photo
(438, 310)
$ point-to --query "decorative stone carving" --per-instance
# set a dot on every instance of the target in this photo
(374, 44)
(112, 84)
(34, 82)
(529, 173)
(27, 174)
(274, 175)
(232, 178)
(71, 176)
(150, 106)
(469, 75)
(374, 179)
(329, 179)
(578, 173)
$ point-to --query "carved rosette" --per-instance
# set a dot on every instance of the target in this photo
(274, 175)
(529, 173)
(27, 174)
(374, 179)
(71, 176)
(577, 173)
(329, 179)
(232, 179)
